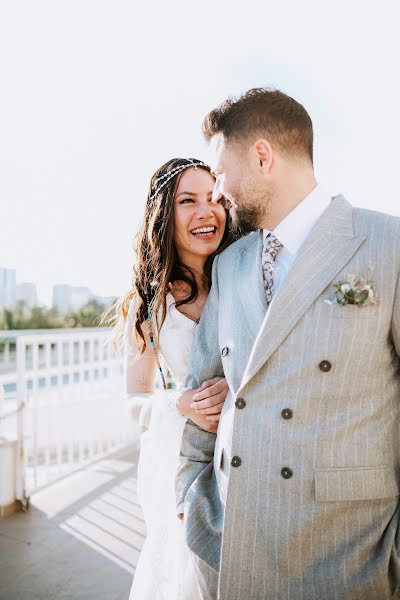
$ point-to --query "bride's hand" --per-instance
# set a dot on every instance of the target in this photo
(210, 397)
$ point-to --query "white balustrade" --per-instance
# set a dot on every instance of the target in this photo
(7, 354)
(64, 402)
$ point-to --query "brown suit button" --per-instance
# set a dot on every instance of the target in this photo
(225, 351)
(240, 403)
(236, 461)
(325, 366)
(286, 473)
(287, 413)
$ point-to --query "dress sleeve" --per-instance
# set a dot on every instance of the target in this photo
(173, 397)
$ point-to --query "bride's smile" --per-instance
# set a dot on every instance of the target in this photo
(199, 224)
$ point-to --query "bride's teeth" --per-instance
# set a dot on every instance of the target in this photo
(204, 230)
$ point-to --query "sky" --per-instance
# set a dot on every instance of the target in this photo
(96, 94)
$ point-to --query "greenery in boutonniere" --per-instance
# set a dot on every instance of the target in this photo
(355, 290)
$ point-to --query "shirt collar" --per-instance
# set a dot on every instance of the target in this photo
(295, 227)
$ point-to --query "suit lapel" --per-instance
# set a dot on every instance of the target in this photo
(250, 288)
(328, 248)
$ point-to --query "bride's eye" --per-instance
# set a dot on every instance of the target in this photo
(186, 200)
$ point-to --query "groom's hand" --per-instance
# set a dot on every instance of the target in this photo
(210, 397)
(202, 421)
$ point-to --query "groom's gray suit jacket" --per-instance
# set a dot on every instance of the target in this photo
(315, 390)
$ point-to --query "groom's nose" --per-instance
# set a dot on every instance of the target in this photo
(217, 195)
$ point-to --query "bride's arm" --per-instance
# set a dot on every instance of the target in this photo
(140, 373)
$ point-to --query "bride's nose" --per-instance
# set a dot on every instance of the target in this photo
(204, 209)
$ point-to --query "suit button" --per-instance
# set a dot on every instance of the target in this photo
(225, 351)
(287, 413)
(325, 366)
(240, 403)
(286, 473)
(236, 461)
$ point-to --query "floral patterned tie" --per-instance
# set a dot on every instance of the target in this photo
(271, 248)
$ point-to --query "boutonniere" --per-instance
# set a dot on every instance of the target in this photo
(356, 291)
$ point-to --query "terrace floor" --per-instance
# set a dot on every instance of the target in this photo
(80, 539)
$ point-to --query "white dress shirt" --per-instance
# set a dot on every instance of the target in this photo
(293, 231)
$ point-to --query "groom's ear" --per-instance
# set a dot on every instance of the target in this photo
(263, 154)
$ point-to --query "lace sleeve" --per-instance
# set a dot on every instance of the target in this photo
(140, 408)
(173, 397)
(142, 405)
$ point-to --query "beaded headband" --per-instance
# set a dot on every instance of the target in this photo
(166, 178)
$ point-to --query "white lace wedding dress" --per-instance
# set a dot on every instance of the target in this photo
(164, 570)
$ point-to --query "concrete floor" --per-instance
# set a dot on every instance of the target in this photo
(80, 540)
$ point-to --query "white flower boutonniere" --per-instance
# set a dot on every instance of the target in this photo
(355, 290)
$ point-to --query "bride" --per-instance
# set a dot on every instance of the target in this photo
(181, 234)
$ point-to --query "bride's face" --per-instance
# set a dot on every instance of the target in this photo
(199, 224)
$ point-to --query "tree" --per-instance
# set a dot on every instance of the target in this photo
(40, 317)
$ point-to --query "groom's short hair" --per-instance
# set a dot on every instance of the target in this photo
(264, 111)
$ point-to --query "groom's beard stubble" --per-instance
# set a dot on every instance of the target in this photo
(246, 216)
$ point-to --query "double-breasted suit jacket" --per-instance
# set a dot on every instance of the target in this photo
(297, 496)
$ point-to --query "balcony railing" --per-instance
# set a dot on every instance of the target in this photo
(61, 397)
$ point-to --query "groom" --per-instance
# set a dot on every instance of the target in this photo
(297, 496)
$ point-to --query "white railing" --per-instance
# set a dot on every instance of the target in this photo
(65, 404)
(8, 358)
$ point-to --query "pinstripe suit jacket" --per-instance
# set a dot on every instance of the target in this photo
(331, 530)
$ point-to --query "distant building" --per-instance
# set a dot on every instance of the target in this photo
(62, 298)
(8, 288)
(80, 296)
(69, 297)
(28, 294)
(105, 301)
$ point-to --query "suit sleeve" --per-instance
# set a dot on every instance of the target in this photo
(396, 319)
(197, 449)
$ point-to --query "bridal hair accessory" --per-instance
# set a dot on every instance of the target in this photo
(166, 178)
(355, 290)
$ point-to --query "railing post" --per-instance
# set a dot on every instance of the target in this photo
(53, 408)
(20, 491)
(2, 404)
(6, 355)
(34, 412)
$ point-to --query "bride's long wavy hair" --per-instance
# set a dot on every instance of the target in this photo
(157, 263)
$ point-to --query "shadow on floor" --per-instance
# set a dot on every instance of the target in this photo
(80, 540)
